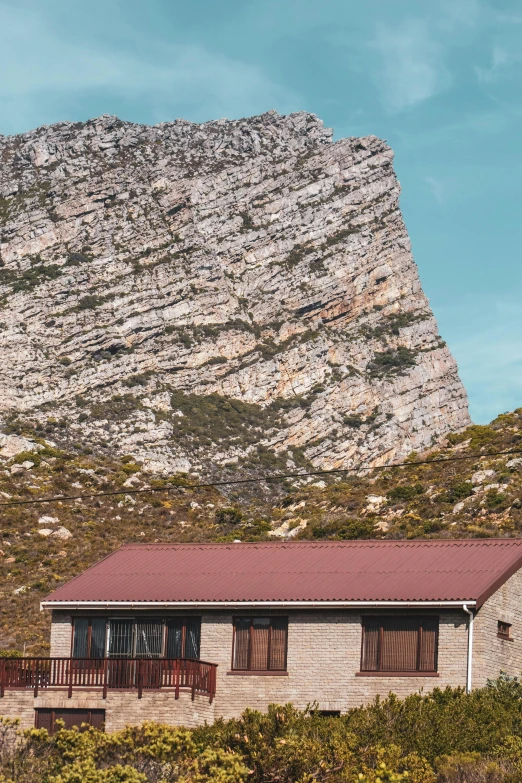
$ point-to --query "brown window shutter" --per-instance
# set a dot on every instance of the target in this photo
(428, 644)
(260, 636)
(278, 641)
(44, 719)
(370, 653)
(241, 643)
(399, 644)
(396, 643)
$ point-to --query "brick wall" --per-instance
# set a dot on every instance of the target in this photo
(121, 708)
(324, 651)
(492, 655)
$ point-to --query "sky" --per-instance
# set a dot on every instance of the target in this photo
(441, 80)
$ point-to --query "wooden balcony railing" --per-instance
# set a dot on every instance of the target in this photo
(139, 674)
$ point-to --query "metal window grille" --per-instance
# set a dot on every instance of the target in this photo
(400, 644)
(121, 638)
(192, 638)
(149, 638)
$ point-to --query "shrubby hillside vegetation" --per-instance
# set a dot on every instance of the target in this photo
(43, 545)
(444, 737)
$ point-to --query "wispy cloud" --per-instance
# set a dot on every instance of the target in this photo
(412, 63)
(180, 79)
(437, 189)
(413, 51)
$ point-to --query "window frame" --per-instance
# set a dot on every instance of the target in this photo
(273, 672)
(89, 619)
(398, 672)
(506, 636)
(185, 620)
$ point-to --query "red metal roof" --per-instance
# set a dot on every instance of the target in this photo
(409, 571)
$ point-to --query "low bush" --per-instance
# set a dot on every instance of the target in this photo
(446, 736)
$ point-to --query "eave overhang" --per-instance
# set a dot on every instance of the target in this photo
(457, 604)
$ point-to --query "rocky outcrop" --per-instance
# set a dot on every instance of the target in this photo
(212, 295)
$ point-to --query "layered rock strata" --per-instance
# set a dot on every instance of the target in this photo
(230, 292)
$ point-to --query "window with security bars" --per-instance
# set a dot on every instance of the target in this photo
(400, 644)
(136, 637)
(260, 643)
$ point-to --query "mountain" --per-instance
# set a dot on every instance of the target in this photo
(222, 298)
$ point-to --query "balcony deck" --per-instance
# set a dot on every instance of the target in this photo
(130, 674)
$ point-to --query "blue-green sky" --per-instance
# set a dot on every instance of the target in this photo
(441, 80)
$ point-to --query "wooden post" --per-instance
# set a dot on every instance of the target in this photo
(211, 685)
(140, 677)
(36, 675)
(177, 674)
(105, 668)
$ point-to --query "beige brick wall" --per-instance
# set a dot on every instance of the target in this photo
(121, 708)
(324, 650)
(61, 635)
(492, 655)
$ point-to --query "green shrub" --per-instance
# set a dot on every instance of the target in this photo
(89, 302)
(478, 435)
(445, 736)
(458, 491)
(404, 492)
(392, 361)
(228, 516)
(27, 456)
(347, 530)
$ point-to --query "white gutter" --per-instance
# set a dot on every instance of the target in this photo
(470, 646)
(253, 604)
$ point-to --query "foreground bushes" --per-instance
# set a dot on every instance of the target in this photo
(443, 737)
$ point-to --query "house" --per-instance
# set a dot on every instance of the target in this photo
(186, 633)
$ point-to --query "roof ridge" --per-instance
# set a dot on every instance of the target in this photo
(326, 544)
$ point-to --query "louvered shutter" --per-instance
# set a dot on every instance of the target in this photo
(241, 643)
(278, 637)
(259, 643)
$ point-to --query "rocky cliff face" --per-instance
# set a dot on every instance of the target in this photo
(231, 293)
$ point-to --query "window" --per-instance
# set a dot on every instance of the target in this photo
(183, 637)
(260, 643)
(89, 637)
(46, 719)
(136, 637)
(400, 644)
(504, 630)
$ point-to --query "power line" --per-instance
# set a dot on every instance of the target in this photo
(259, 479)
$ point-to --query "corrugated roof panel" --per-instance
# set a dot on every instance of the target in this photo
(444, 570)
